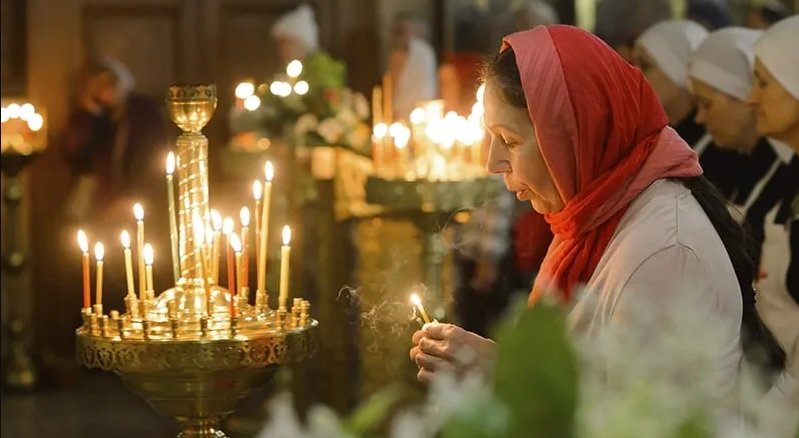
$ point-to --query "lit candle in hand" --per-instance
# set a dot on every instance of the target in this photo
(99, 253)
(124, 237)
(285, 254)
(269, 173)
(138, 212)
(257, 193)
(148, 261)
(244, 215)
(216, 222)
(83, 243)
(418, 303)
(227, 230)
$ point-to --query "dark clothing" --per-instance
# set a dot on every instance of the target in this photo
(721, 167)
(754, 167)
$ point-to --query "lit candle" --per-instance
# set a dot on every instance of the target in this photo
(124, 237)
(257, 193)
(99, 253)
(83, 243)
(388, 90)
(418, 303)
(235, 244)
(173, 225)
(269, 172)
(377, 102)
(148, 261)
(138, 212)
(216, 221)
(244, 215)
(285, 254)
(227, 230)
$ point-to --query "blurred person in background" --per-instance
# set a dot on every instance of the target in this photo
(411, 65)
(713, 14)
(531, 13)
(620, 22)
(764, 13)
(663, 53)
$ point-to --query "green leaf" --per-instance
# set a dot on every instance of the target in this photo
(485, 417)
(537, 373)
(374, 411)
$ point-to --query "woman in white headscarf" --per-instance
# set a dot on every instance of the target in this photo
(775, 96)
(412, 66)
(663, 52)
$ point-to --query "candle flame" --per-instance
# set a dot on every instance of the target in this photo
(286, 235)
(227, 226)
(216, 220)
(170, 163)
(269, 171)
(415, 300)
(481, 91)
(83, 241)
(138, 211)
(244, 215)
(294, 69)
(124, 237)
(148, 254)
(99, 251)
(257, 190)
(235, 242)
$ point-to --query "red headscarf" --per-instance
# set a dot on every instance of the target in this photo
(603, 135)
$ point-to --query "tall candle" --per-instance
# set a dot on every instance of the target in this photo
(199, 242)
(124, 237)
(377, 102)
(235, 244)
(216, 221)
(257, 193)
(173, 225)
(269, 172)
(285, 254)
(148, 261)
(244, 215)
(227, 230)
(83, 243)
(138, 212)
(99, 253)
(388, 91)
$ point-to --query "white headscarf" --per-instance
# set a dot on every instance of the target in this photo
(724, 60)
(671, 43)
(417, 80)
(125, 80)
(300, 24)
(777, 50)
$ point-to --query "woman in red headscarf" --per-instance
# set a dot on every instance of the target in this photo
(578, 132)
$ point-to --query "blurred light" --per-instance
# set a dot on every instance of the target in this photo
(26, 111)
(294, 69)
(481, 91)
(417, 116)
(252, 103)
(4, 114)
(245, 90)
(380, 130)
(14, 111)
(301, 88)
(35, 122)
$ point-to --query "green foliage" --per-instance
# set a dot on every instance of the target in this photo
(536, 374)
(373, 412)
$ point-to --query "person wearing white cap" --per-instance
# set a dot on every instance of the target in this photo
(296, 36)
(663, 53)
(775, 97)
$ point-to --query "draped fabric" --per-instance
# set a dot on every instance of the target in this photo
(604, 138)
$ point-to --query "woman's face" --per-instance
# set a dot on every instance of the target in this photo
(513, 152)
(730, 121)
(776, 110)
(667, 91)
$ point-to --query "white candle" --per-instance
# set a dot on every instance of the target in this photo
(244, 215)
(269, 173)
(173, 226)
(124, 237)
(285, 254)
(257, 194)
(83, 243)
(138, 212)
(235, 244)
(148, 261)
(99, 253)
(216, 221)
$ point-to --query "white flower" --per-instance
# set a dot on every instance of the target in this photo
(330, 130)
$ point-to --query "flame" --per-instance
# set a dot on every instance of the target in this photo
(294, 69)
(83, 241)
(235, 242)
(216, 220)
(244, 215)
(245, 90)
(227, 226)
(138, 211)
(124, 237)
(170, 163)
(269, 171)
(415, 300)
(99, 251)
(286, 235)
(257, 190)
(148, 254)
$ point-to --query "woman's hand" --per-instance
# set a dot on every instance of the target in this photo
(446, 347)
